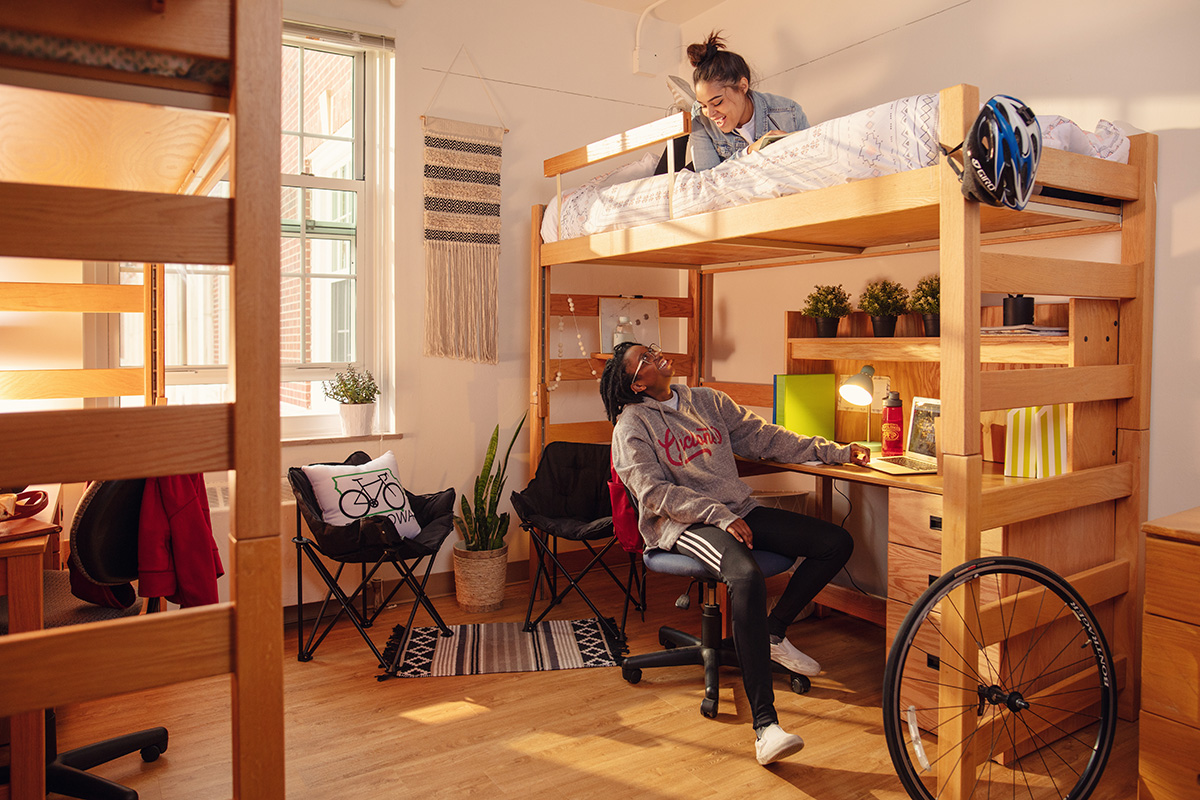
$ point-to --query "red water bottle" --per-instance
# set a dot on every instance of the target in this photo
(892, 431)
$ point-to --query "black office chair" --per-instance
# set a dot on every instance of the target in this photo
(104, 551)
(708, 649)
(568, 499)
(371, 540)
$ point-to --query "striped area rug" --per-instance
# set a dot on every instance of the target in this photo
(503, 647)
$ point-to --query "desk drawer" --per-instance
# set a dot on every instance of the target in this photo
(910, 571)
(1171, 669)
(1171, 589)
(1168, 759)
(915, 520)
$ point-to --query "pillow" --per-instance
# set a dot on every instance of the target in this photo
(348, 493)
(642, 168)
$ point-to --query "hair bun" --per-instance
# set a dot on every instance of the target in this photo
(710, 51)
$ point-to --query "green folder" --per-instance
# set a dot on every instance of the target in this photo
(805, 404)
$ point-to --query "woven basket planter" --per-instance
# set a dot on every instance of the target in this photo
(479, 577)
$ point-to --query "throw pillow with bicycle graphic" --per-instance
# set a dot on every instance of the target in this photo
(349, 493)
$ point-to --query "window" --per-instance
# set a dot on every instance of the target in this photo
(334, 240)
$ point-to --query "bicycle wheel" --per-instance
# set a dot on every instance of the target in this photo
(393, 495)
(1037, 701)
(355, 503)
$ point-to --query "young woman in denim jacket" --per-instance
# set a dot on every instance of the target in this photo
(729, 117)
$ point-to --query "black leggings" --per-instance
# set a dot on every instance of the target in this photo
(825, 548)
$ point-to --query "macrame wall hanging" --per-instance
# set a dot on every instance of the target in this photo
(462, 234)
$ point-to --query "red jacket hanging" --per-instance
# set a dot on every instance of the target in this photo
(177, 556)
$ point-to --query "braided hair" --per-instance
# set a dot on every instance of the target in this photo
(716, 65)
(616, 385)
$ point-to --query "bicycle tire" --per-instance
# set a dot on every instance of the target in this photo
(1019, 702)
(355, 503)
(393, 496)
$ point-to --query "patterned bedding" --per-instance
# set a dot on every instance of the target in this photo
(889, 138)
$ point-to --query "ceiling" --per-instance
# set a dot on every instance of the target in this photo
(671, 11)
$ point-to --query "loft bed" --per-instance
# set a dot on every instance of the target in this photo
(89, 198)
(1084, 524)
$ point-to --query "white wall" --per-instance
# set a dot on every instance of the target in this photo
(560, 73)
(1083, 60)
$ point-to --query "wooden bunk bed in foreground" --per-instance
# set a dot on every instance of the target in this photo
(105, 215)
(1083, 524)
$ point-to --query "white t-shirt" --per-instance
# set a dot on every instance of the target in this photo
(747, 131)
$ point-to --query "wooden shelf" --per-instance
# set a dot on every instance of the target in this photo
(1000, 349)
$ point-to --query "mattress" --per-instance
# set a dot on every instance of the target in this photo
(889, 138)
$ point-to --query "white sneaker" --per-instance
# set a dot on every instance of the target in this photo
(786, 654)
(775, 743)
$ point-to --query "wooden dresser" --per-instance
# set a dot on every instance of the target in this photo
(1169, 737)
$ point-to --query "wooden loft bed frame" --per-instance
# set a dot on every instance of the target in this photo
(242, 638)
(149, 380)
(1101, 503)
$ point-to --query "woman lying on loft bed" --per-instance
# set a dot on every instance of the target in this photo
(691, 501)
(728, 116)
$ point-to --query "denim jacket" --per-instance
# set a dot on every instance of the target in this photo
(711, 145)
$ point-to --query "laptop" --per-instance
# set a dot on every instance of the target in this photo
(920, 456)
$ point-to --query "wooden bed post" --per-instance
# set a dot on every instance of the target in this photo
(258, 762)
(539, 287)
(1133, 415)
(960, 274)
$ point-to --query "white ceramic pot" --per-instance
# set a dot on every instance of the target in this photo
(358, 419)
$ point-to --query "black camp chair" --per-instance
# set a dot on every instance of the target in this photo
(369, 541)
(568, 499)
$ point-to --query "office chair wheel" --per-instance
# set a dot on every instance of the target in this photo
(631, 674)
(708, 707)
(801, 684)
(666, 641)
(150, 753)
(1033, 706)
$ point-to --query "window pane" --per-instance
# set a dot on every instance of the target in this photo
(289, 207)
(289, 154)
(330, 206)
(330, 257)
(330, 319)
(293, 333)
(304, 397)
(328, 158)
(290, 105)
(328, 93)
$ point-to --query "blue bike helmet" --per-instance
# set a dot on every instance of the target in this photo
(1001, 154)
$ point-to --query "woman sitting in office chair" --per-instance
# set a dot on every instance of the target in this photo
(674, 448)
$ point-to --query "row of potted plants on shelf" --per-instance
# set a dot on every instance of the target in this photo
(883, 300)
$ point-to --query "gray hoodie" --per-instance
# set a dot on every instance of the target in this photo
(680, 464)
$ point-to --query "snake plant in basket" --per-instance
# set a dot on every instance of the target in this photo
(481, 558)
(482, 528)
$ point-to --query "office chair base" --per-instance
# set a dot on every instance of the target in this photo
(66, 774)
(682, 648)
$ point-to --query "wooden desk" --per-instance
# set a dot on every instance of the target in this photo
(25, 546)
(914, 506)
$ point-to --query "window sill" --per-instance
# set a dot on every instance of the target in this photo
(374, 437)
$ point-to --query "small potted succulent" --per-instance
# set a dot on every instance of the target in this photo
(884, 300)
(827, 304)
(356, 392)
(926, 300)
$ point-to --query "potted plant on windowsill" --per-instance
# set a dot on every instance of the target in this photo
(827, 304)
(481, 558)
(926, 300)
(884, 300)
(356, 392)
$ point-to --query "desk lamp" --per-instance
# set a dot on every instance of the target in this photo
(859, 390)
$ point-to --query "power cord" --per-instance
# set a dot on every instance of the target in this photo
(849, 510)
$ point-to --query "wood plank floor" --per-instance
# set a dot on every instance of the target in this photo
(573, 733)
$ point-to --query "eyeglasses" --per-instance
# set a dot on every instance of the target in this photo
(653, 355)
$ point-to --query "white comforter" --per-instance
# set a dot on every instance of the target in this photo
(886, 139)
